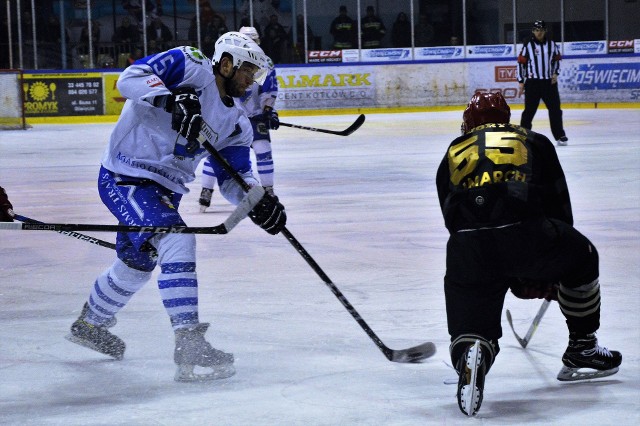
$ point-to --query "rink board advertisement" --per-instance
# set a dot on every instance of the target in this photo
(63, 94)
(113, 100)
(326, 87)
(580, 80)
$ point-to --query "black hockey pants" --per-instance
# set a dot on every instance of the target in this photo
(481, 263)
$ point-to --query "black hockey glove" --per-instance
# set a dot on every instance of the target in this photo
(6, 209)
(269, 214)
(184, 106)
(528, 289)
(271, 118)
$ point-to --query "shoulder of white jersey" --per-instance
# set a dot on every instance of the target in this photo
(181, 66)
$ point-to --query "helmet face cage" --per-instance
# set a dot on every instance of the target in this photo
(485, 108)
(242, 49)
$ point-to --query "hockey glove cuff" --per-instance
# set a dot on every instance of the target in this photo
(269, 214)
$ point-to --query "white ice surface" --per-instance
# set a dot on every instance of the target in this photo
(365, 208)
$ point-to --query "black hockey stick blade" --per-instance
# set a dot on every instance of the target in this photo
(415, 354)
(346, 132)
(77, 235)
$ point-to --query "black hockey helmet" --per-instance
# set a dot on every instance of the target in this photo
(485, 108)
(539, 25)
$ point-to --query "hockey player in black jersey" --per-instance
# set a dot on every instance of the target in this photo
(505, 202)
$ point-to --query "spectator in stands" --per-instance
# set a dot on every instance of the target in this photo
(216, 27)
(401, 31)
(424, 32)
(262, 12)
(274, 41)
(454, 40)
(83, 45)
(51, 44)
(343, 29)
(373, 30)
(135, 55)
(126, 36)
(134, 7)
(298, 45)
(160, 33)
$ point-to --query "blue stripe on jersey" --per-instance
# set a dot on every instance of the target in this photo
(270, 84)
(96, 307)
(177, 267)
(177, 282)
(182, 301)
(106, 298)
(169, 66)
(117, 289)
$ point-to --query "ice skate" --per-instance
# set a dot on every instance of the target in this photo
(85, 308)
(193, 350)
(562, 141)
(584, 359)
(471, 370)
(96, 337)
(205, 199)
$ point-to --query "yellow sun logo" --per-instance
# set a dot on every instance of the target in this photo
(39, 91)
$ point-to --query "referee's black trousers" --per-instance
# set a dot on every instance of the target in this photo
(534, 90)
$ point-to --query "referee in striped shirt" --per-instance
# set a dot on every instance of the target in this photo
(538, 69)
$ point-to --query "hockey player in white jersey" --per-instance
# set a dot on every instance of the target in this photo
(258, 103)
(142, 180)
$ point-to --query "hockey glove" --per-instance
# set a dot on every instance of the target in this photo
(6, 209)
(184, 106)
(271, 118)
(528, 289)
(269, 214)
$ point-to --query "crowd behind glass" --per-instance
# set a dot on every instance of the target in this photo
(80, 34)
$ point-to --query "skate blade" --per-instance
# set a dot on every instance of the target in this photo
(185, 373)
(203, 209)
(87, 344)
(470, 394)
(569, 374)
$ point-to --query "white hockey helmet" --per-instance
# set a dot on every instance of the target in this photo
(242, 49)
(251, 32)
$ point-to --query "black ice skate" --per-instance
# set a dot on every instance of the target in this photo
(205, 199)
(96, 337)
(193, 350)
(584, 359)
(471, 370)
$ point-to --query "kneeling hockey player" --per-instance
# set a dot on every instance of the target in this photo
(505, 202)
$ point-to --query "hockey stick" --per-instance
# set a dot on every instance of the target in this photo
(244, 207)
(346, 132)
(534, 325)
(73, 234)
(413, 354)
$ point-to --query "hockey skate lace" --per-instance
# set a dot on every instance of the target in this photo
(598, 350)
